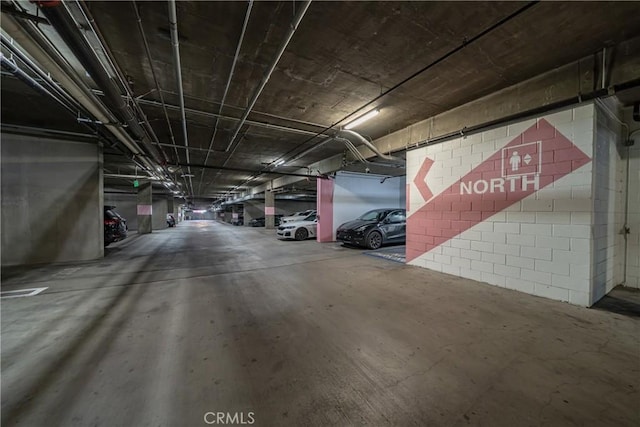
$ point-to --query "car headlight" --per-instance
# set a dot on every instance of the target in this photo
(361, 228)
(289, 227)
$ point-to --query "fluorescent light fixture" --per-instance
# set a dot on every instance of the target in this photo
(279, 162)
(363, 118)
(187, 175)
(199, 211)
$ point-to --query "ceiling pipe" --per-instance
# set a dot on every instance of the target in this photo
(265, 79)
(173, 24)
(117, 175)
(352, 148)
(355, 135)
(66, 27)
(235, 119)
(30, 81)
(73, 109)
(86, 13)
(155, 80)
(250, 171)
(60, 94)
(40, 49)
(465, 43)
(226, 89)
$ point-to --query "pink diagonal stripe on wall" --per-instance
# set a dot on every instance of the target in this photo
(533, 160)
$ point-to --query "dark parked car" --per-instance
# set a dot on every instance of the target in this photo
(238, 221)
(171, 221)
(260, 222)
(115, 226)
(375, 228)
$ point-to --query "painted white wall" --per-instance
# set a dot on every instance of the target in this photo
(633, 219)
(608, 201)
(355, 194)
(540, 245)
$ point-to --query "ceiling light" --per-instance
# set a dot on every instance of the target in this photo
(279, 162)
(361, 119)
(187, 175)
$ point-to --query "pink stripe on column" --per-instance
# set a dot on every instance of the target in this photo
(325, 210)
(145, 209)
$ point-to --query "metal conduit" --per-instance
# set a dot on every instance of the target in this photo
(41, 50)
(64, 25)
(463, 45)
(8, 44)
(369, 145)
(235, 119)
(118, 72)
(155, 80)
(33, 83)
(30, 81)
(226, 89)
(173, 24)
(233, 66)
(265, 79)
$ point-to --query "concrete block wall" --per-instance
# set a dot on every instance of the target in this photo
(51, 200)
(524, 225)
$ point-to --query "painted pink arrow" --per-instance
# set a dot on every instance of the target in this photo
(533, 160)
(420, 179)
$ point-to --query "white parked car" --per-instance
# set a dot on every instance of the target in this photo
(298, 216)
(299, 230)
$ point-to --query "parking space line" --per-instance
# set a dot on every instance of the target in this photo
(21, 293)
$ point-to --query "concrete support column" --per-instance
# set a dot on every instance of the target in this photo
(269, 210)
(51, 200)
(235, 215)
(171, 207)
(145, 208)
(325, 210)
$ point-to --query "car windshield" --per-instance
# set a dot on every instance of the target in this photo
(373, 216)
(311, 217)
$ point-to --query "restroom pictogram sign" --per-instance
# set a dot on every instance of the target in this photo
(531, 161)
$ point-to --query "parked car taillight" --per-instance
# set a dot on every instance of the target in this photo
(110, 222)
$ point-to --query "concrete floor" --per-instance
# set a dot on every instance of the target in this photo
(208, 317)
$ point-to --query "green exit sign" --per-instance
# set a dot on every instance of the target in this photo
(136, 184)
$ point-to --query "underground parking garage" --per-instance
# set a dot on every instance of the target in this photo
(320, 213)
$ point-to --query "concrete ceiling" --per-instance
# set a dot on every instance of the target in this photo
(344, 59)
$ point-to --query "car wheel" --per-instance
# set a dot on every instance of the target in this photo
(374, 240)
(302, 234)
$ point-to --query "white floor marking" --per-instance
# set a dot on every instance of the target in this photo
(21, 293)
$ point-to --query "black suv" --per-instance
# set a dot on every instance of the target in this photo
(375, 228)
